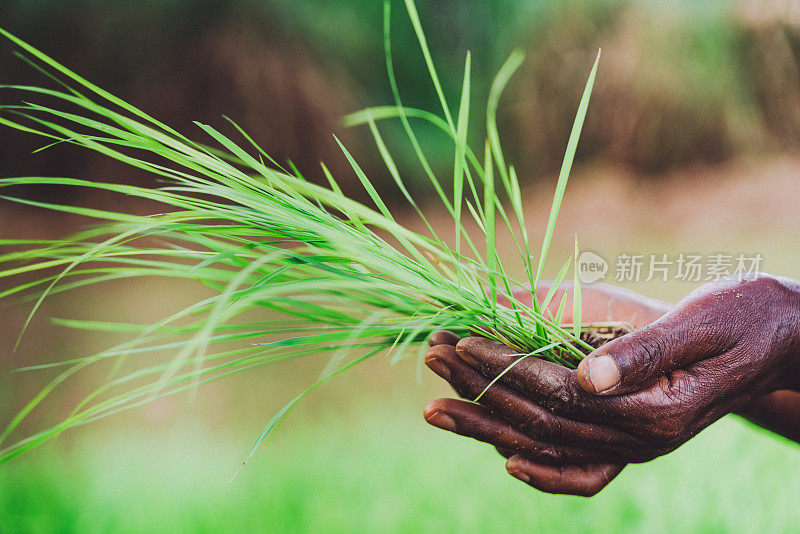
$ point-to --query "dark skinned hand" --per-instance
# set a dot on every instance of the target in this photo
(728, 346)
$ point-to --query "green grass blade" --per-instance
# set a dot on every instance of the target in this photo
(458, 165)
(489, 211)
(566, 166)
(327, 273)
(576, 295)
(278, 417)
(423, 43)
(498, 85)
(556, 282)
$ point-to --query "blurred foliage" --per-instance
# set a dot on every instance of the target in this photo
(680, 82)
(671, 90)
(369, 474)
(286, 71)
(771, 51)
(184, 61)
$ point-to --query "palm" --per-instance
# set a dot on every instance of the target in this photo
(600, 303)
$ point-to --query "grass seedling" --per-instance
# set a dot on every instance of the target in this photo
(328, 274)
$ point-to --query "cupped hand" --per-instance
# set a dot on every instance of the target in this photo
(633, 399)
(600, 303)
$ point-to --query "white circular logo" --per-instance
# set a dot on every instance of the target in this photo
(591, 267)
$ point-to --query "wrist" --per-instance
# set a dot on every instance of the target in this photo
(788, 333)
(779, 412)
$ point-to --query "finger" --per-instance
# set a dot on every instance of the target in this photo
(584, 480)
(505, 453)
(526, 415)
(548, 384)
(556, 388)
(478, 422)
(443, 337)
(688, 334)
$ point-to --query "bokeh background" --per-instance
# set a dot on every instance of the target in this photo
(690, 146)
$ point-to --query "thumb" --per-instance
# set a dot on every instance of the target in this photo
(639, 359)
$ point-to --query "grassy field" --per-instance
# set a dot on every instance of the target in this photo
(357, 456)
(379, 468)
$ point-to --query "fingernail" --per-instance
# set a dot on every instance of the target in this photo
(444, 337)
(464, 355)
(521, 475)
(601, 372)
(437, 366)
(440, 420)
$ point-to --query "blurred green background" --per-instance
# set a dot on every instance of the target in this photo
(690, 146)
